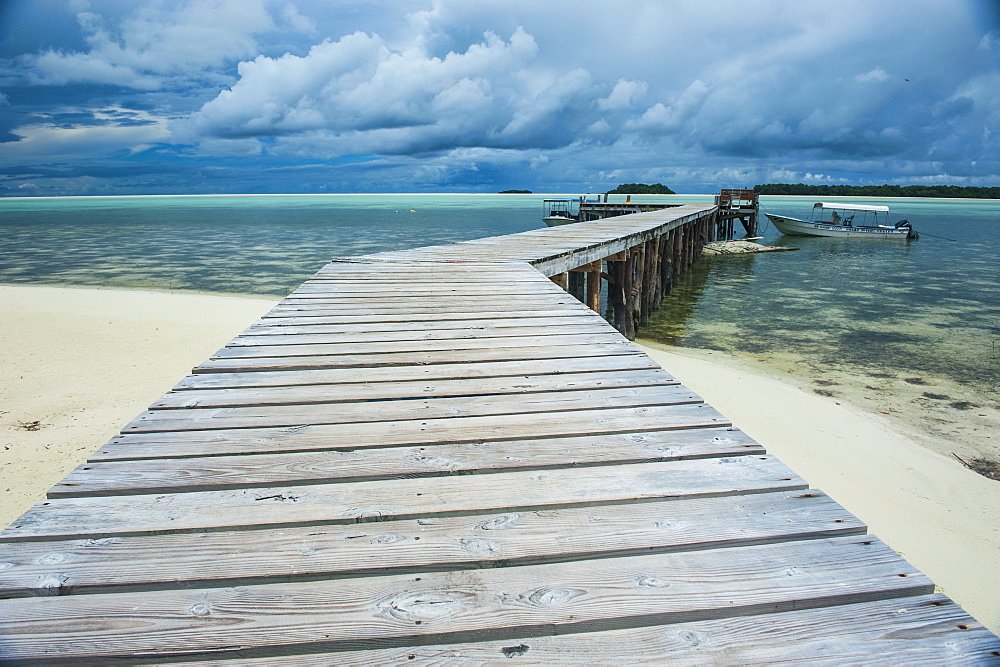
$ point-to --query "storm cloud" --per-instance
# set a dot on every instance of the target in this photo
(555, 96)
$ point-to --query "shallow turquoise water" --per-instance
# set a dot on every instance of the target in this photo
(871, 307)
(243, 244)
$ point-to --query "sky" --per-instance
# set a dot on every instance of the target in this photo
(104, 97)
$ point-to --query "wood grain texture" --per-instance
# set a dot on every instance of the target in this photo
(375, 347)
(629, 360)
(268, 336)
(381, 391)
(462, 606)
(229, 558)
(264, 414)
(358, 502)
(501, 325)
(409, 432)
(557, 350)
(163, 475)
(926, 630)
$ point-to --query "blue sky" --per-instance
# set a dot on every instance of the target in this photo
(237, 96)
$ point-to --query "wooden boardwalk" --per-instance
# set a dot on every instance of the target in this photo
(439, 455)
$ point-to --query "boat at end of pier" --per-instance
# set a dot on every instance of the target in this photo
(845, 221)
(560, 211)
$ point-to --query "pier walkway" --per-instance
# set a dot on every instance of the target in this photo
(441, 455)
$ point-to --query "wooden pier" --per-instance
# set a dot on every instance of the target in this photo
(737, 204)
(599, 210)
(440, 455)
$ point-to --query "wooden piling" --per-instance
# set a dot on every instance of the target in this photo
(594, 286)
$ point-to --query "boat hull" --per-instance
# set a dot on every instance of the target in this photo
(556, 220)
(796, 227)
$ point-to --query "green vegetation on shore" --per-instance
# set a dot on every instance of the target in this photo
(943, 191)
(641, 189)
(515, 192)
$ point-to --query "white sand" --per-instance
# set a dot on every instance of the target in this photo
(84, 362)
(939, 515)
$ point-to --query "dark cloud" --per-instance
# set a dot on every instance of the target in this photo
(434, 94)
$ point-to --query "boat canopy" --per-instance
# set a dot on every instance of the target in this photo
(852, 207)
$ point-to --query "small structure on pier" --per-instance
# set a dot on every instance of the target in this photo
(737, 204)
(598, 210)
(557, 212)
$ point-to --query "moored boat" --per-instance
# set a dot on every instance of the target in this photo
(839, 220)
(559, 212)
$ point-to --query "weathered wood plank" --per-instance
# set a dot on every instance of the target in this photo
(380, 391)
(502, 326)
(360, 346)
(309, 292)
(451, 543)
(328, 504)
(411, 432)
(496, 312)
(271, 337)
(390, 305)
(96, 478)
(264, 415)
(430, 310)
(465, 606)
(923, 629)
(631, 361)
(513, 353)
(418, 301)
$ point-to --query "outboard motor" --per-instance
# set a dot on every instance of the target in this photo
(905, 224)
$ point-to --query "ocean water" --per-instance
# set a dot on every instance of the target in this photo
(912, 327)
(243, 244)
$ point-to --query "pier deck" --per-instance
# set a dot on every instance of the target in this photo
(439, 454)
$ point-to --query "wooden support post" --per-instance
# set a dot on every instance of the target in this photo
(666, 266)
(594, 287)
(654, 273)
(561, 279)
(638, 257)
(650, 281)
(628, 325)
(576, 285)
(619, 296)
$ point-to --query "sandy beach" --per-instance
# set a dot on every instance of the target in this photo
(935, 512)
(78, 364)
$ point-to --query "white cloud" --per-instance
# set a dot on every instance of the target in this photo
(45, 143)
(624, 95)
(661, 118)
(157, 43)
(296, 21)
(674, 92)
(357, 95)
(877, 75)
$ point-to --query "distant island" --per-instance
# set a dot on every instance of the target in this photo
(943, 191)
(641, 189)
(515, 192)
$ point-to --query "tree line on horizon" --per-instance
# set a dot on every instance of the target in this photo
(941, 191)
(641, 189)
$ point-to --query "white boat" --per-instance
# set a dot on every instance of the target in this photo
(559, 212)
(845, 221)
